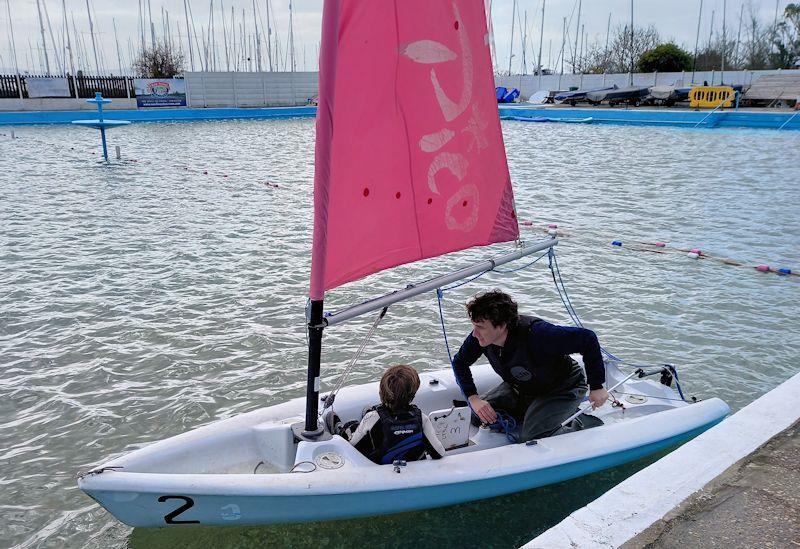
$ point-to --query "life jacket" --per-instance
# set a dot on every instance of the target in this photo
(402, 435)
(518, 366)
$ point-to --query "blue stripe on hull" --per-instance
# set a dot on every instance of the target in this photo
(289, 509)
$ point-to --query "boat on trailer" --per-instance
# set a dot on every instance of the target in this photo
(579, 96)
(632, 95)
(669, 95)
(391, 186)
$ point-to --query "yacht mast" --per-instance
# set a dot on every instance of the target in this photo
(69, 41)
(291, 37)
(61, 69)
(541, 39)
(738, 35)
(91, 33)
(257, 37)
(13, 43)
(724, 42)
(524, 44)
(511, 47)
(188, 34)
(632, 36)
(605, 51)
(152, 26)
(116, 40)
(269, 38)
(697, 40)
(563, 40)
(224, 36)
(577, 32)
(44, 42)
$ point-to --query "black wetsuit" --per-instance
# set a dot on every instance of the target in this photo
(542, 385)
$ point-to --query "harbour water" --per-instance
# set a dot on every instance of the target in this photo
(151, 295)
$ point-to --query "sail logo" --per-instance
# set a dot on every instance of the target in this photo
(431, 52)
(521, 373)
(230, 512)
(159, 89)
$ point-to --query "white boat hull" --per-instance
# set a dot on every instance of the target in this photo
(236, 471)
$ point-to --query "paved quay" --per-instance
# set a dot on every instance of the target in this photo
(736, 485)
(755, 503)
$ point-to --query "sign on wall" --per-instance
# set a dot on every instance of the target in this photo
(160, 92)
(47, 87)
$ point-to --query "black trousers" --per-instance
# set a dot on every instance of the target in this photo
(541, 415)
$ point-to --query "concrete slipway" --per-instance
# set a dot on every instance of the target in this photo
(736, 485)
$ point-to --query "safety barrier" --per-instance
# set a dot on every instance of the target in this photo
(709, 97)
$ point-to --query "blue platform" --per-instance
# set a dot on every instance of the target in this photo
(154, 115)
(728, 118)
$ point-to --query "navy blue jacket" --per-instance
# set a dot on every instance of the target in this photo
(534, 358)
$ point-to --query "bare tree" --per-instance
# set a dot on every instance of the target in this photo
(159, 61)
(623, 52)
(710, 57)
(757, 45)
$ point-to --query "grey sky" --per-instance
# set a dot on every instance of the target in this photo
(674, 19)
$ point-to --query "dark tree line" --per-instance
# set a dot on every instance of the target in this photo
(756, 45)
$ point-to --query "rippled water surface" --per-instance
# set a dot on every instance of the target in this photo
(155, 294)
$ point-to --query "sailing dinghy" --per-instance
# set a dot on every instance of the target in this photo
(416, 176)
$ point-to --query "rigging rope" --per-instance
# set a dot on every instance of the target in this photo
(330, 397)
(561, 288)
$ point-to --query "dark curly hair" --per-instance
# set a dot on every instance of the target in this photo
(495, 306)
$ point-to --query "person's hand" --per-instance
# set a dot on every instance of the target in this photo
(598, 397)
(483, 409)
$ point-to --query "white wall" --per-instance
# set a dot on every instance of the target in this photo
(250, 89)
(529, 84)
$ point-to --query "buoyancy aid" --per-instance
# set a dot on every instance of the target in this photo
(402, 435)
(517, 365)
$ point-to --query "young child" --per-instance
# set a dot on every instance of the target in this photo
(396, 429)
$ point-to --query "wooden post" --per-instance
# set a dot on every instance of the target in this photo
(19, 86)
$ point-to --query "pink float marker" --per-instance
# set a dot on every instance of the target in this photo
(660, 245)
(553, 226)
(695, 251)
(763, 268)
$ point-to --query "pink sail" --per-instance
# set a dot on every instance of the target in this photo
(410, 161)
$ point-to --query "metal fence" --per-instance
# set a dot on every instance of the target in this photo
(118, 87)
(9, 86)
(112, 87)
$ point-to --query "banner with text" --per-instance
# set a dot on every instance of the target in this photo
(160, 92)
